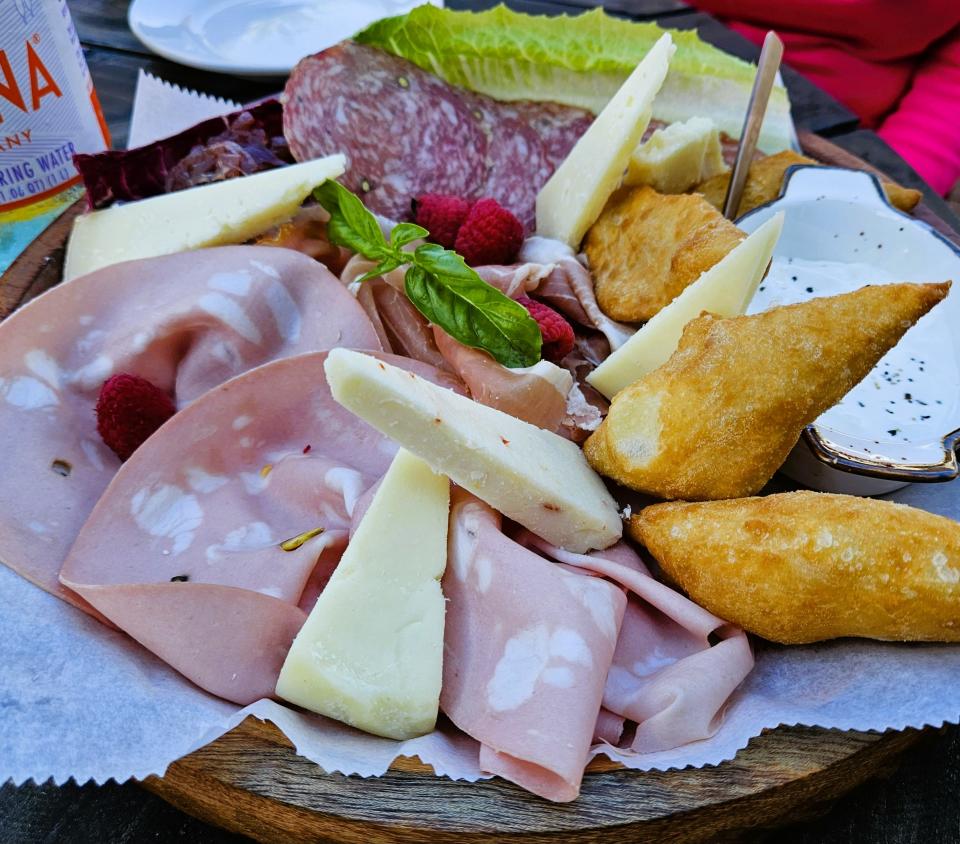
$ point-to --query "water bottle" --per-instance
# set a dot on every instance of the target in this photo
(48, 112)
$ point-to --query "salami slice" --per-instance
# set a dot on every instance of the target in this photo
(406, 132)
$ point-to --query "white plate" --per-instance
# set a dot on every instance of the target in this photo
(253, 37)
(902, 422)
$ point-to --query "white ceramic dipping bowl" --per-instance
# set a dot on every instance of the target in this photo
(902, 422)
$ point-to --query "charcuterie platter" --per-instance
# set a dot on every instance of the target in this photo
(294, 328)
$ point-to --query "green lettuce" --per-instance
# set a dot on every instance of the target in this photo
(579, 60)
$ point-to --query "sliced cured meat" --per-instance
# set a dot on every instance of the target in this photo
(526, 684)
(569, 288)
(406, 132)
(537, 394)
(609, 728)
(307, 233)
(406, 328)
(517, 280)
(186, 323)
(666, 675)
(205, 542)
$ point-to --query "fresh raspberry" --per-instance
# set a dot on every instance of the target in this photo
(441, 215)
(557, 333)
(489, 235)
(129, 410)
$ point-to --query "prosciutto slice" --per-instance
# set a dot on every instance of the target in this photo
(569, 288)
(185, 322)
(189, 548)
(536, 394)
(526, 653)
(666, 676)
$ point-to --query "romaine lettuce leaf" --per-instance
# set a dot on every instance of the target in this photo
(577, 60)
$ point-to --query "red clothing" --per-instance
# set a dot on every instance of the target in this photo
(895, 63)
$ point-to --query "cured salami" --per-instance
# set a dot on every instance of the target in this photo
(406, 132)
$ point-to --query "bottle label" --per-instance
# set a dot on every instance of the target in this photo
(48, 107)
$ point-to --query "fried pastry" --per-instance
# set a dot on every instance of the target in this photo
(647, 247)
(766, 178)
(806, 566)
(721, 415)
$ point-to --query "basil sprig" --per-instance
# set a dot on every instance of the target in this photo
(438, 282)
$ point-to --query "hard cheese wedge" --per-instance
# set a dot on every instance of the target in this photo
(677, 157)
(535, 477)
(725, 290)
(225, 212)
(570, 202)
(371, 652)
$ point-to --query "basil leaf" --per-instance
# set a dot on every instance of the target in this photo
(404, 233)
(450, 294)
(351, 224)
(382, 268)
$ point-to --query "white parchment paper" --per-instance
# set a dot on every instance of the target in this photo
(162, 109)
(79, 700)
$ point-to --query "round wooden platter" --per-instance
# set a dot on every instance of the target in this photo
(251, 781)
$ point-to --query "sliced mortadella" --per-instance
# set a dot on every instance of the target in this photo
(215, 528)
(185, 322)
(666, 675)
(527, 648)
(609, 728)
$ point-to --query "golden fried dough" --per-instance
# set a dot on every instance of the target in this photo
(647, 247)
(766, 178)
(721, 415)
(807, 566)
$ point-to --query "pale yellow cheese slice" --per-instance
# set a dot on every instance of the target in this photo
(725, 290)
(677, 157)
(371, 652)
(533, 476)
(219, 213)
(570, 202)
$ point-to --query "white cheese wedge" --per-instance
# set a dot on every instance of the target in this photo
(677, 157)
(725, 290)
(570, 202)
(220, 213)
(533, 476)
(371, 651)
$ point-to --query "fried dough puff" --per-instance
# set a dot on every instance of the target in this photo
(647, 247)
(806, 566)
(721, 415)
(765, 179)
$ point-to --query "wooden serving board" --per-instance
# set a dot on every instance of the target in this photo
(251, 781)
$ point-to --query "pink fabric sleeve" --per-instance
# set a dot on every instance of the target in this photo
(925, 128)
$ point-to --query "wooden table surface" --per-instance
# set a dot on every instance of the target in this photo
(919, 803)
